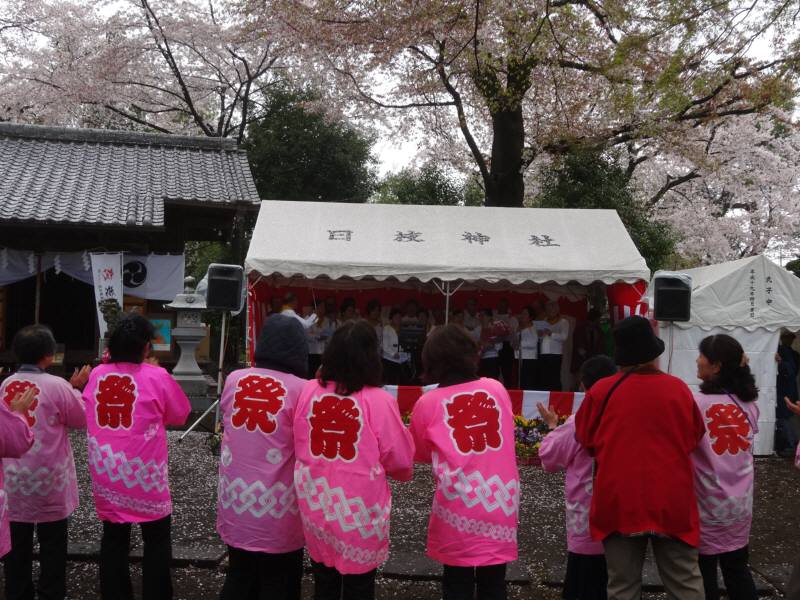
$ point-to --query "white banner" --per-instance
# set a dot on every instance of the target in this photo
(154, 276)
(107, 278)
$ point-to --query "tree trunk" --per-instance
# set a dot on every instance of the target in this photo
(505, 186)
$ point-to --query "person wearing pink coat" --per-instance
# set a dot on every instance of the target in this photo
(723, 464)
(42, 486)
(349, 440)
(586, 576)
(16, 438)
(129, 403)
(465, 428)
(257, 514)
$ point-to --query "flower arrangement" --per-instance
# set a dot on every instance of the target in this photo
(528, 436)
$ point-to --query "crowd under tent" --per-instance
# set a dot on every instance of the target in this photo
(66, 193)
(440, 256)
(752, 300)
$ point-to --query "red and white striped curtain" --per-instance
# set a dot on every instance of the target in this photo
(523, 402)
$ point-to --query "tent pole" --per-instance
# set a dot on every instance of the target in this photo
(447, 302)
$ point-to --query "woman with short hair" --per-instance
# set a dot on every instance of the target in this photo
(349, 440)
(129, 403)
(465, 428)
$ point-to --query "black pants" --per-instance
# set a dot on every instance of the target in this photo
(329, 584)
(460, 583)
(507, 364)
(529, 374)
(396, 373)
(262, 576)
(489, 367)
(735, 573)
(18, 563)
(586, 577)
(115, 575)
(314, 361)
(550, 372)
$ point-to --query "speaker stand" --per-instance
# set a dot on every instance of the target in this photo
(215, 405)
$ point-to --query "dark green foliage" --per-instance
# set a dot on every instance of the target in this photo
(298, 153)
(794, 266)
(430, 184)
(587, 179)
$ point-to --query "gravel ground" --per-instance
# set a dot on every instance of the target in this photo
(193, 474)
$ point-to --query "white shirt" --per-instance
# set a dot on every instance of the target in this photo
(391, 346)
(490, 351)
(529, 344)
(305, 322)
(554, 343)
(471, 322)
(319, 334)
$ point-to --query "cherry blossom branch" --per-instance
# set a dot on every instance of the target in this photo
(162, 43)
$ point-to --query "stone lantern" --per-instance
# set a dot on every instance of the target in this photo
(188, 334)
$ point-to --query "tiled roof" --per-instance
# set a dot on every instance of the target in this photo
(104, 177)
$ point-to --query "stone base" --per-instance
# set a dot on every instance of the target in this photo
(193, 385)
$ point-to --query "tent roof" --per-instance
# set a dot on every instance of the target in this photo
(450, 243)
(721, 296)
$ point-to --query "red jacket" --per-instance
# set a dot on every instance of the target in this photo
(643, 444)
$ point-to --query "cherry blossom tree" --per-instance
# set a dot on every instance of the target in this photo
(522, 78)
(738, 187)
(188, 66)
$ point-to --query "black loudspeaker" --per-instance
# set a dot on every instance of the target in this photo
(225, 283)
(672, 297)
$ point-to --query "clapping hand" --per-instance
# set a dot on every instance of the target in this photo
(22, 401)
(80, 377)
(792, 406)
(550, 417)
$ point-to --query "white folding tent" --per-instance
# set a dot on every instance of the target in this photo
(751, 299)
(557, 252)
(445, 244)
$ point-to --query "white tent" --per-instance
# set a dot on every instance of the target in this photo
(556, 252)
(445, 243)
(750, 299)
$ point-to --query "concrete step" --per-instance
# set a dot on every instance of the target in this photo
(651, 581)
(209, 556)
(418, 567)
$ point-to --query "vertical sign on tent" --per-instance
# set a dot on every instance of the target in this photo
(107, 278)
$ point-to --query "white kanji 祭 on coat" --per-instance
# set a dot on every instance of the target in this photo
(16, 438)
(42, 485)
(467, 432)
(128, 407)
(346, 449)
(256, 501)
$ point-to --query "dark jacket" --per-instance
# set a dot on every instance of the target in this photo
(786, 384)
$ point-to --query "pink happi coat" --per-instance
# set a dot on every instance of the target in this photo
(560, 451)
(797, 457)
(15, 440)
(256, 500)
(346, 448)
(128, 407)
(42, 486)
(723, 465)
(467, 432)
